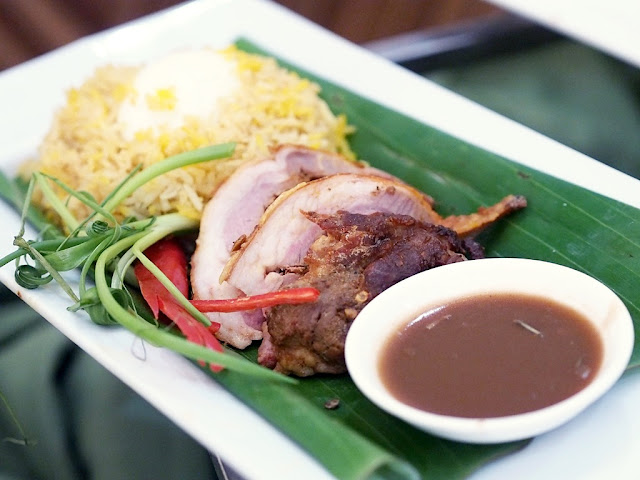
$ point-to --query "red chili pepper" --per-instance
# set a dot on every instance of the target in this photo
(171, 260)
(292, 296)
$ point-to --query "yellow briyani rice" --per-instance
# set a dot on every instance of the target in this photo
(85, 147)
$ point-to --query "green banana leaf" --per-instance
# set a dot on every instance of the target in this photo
(563, 224)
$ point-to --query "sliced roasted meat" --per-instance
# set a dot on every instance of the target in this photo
(243, 249)
(354, 259)
(234, 211)
(274, 253)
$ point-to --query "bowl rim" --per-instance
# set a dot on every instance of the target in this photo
(399, 304)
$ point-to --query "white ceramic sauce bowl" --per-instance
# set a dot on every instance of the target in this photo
(403, 302)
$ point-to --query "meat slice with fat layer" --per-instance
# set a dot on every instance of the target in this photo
(232, 214)
(271, 257)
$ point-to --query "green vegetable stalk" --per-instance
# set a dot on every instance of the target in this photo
(106, 248)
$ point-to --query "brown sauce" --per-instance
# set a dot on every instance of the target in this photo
(491, 356)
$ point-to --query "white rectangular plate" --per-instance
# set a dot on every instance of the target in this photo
(30, 93)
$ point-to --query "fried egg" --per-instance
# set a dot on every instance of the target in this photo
(175, 87)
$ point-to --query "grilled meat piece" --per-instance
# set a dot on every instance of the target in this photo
(234, 211)
(356, 258)
(250, 244)
(284, 234)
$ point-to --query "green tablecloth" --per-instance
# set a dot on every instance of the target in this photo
(565, 90)
(85, 423)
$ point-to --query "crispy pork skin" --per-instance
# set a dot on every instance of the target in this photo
(469, 225)
(354, 259)
(234, 211)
